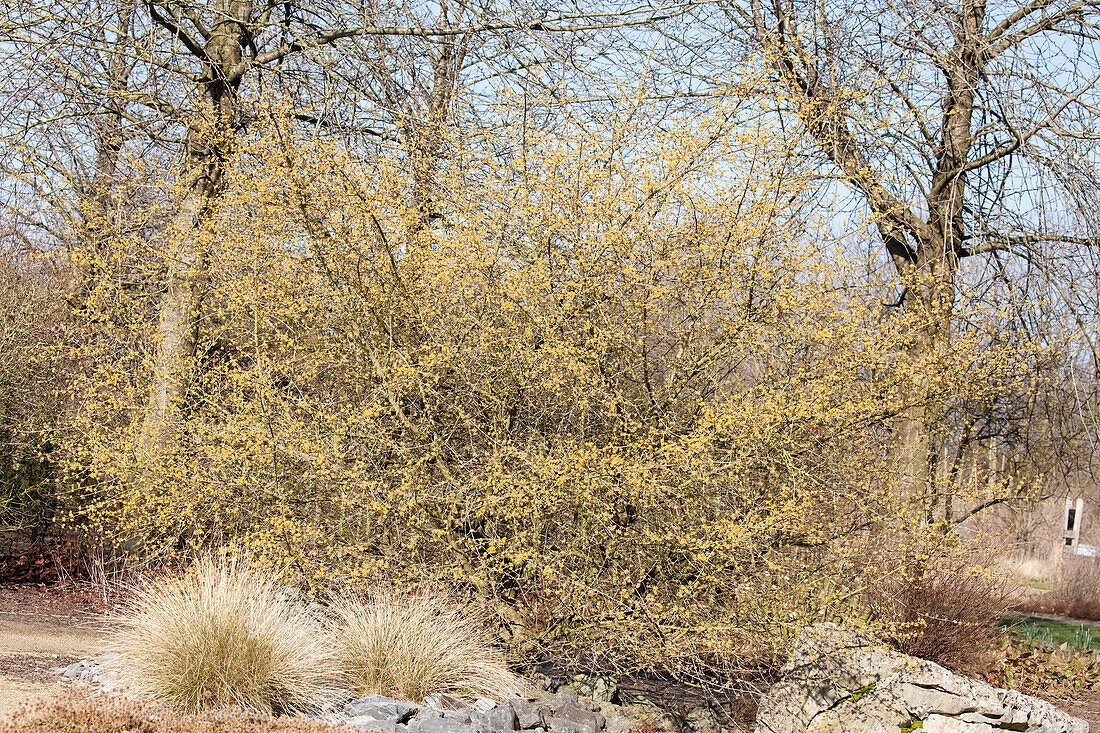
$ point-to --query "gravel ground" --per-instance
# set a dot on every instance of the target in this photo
(39, 630)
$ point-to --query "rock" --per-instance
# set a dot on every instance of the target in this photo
(545, 682)
(483, 704)
(370, 723)
(479, 721)
(502, 719)
(572, 718)
(600, 688)
(563, 725)
(618, 724)
(665, 721)
(562, 698)
(837, 681)
(702, 719)
(462, 716)
(528, 714)
(440, 725)
(381, 707)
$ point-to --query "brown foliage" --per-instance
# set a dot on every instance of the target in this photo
(224, 636)
(1036, 669)
(410, 647)
(113, 715)
(944, 610)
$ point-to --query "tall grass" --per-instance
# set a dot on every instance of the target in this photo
(411, 647)
(1075, 589)
(223, 636)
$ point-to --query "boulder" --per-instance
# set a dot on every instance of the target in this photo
(651, 714)
(372, 724)
(837, 681)
(440, 725)
(462, 715)
(572, 718)
(529, 714)
(562, 698)
(382, 708)
(702, 719)
(502, 719)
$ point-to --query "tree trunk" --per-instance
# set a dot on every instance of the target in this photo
(178, 323)
(210, 143)
(424, 138)
(933, 275)
(918, 429)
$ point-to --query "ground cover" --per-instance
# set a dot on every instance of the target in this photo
(1054, 631)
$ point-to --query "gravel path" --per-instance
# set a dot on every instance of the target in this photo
(36, 637)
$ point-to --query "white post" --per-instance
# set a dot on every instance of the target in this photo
(1080, 507)
(1069, 530)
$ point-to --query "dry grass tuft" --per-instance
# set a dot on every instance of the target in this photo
(223, 636)
(411, 647)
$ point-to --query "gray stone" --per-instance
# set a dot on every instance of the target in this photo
(480, 721)
(564, 725)
(441, 725)
(562, 698)
(528, 714)
(580, 714)
(502, 719)
(665, 721)
(370, 723)
(462, 715)
(381, 707)
(703, 719)
(483, 704)
(572, 718)
(545, 682)
(838, 681)
(618, 723)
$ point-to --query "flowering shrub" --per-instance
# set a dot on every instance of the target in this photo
(615, 395)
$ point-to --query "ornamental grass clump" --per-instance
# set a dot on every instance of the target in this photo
(410, 647)
(223, 636)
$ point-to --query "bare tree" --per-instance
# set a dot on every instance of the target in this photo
(962, 126)
(184, 74)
